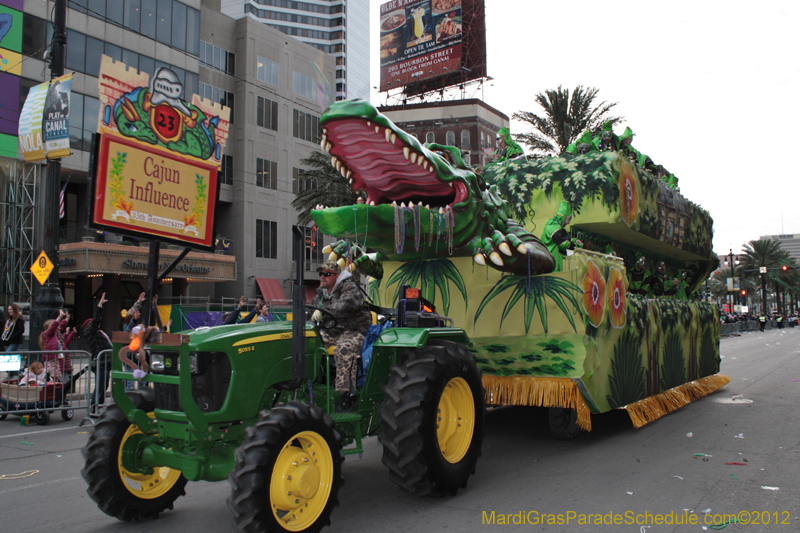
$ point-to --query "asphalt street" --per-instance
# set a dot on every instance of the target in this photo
(523, 475)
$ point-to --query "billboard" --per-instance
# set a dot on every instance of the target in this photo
(155, 169)
(431, 43)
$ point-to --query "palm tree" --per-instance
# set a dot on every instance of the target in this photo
(763, 253)
(565, 118)
(324, 185)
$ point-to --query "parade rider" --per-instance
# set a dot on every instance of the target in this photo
(555, 236)
(343, 324)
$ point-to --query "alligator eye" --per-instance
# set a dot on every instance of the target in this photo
(132, 128)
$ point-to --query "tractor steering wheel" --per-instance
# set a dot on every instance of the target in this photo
(325, 312)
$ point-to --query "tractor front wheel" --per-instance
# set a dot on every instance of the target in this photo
(563, 423)
(288, 471)
(120, 491)
(433, 418)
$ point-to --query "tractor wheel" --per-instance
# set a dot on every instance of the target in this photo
(119, 491)
(288, 471)
(563, 423)
(432, 420)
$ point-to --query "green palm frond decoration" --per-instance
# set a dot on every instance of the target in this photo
(562, 292)
(430, 275)
(673, 367)
(374, 291)
(709, 362)
(627, 372)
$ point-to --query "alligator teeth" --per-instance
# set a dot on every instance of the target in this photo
(451, 184)
(406, 152)
(377, 129)
(496, 259)
(350, 181)
(328, 147)
(324, 131)
(393, 138)
(369, 123)
(478, 258)
(505, 249)
(413, 157)
(349, 174)
(388, 134)
(431, 169)
(420, 204)
(427, 207)
(441, 211)
(372, 202)
(394, 202)
(402, 204)
(351, 267)
(333, 257)
(327, 249)
(333, 161)
(323, 143)
(425, 164)
(341, 262)
(522, 249)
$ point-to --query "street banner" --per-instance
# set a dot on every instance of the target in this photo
(30, 123)
(56, 117)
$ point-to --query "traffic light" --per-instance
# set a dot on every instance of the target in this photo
(744, 292)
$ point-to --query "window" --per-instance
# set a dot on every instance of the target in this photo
(94, 51)
(36, 36)
(267, 114)
(312, 246)
(305, 126)
(226, 170)
(193, 31)
(266, 239)
(148, 20)
(131, 17)
(215, 57)
(466, 157)
(215, 94)
(302, 183)
(76, 51)
(465, 144)
(267, 71)
(179, 25)
(114, 11)
(429, 137)
(450, 138)
(266, 174)
(304, 85)
(164, 22)
(483, 141)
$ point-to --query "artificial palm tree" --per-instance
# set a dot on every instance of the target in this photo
(564, 119)
(326, 187)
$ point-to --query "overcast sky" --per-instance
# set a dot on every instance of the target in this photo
(709, 88)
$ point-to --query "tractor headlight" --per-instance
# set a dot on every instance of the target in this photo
(194, 367)
(157, 362)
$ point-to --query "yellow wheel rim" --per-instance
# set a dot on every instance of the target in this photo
(301, 481)
(455, 420)
(146, 486)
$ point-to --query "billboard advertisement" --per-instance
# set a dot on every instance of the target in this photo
(420, 40)
(158, 157)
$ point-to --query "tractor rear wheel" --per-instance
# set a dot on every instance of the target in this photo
(433, 420)
(288, 471)
(120, 491)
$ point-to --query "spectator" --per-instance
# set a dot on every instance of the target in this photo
(35, 375)
(134, 316)
(98, 342)
(54, 339)
(14, 329)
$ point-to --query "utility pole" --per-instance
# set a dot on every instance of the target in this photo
(49, 300)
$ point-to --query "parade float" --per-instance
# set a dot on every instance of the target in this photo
(576, 339)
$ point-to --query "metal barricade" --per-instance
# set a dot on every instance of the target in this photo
(101, 368)
(41, 395)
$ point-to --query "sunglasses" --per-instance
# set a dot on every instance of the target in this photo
(326, 274)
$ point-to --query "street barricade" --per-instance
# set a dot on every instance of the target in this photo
(38, 399)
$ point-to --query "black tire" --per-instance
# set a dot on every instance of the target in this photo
(111, 487)
(563, 423)
(3, 413)
(67, 414)
(42, 418)
(409, 434)
(267, 461)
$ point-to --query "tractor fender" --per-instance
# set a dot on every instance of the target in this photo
(419, 337)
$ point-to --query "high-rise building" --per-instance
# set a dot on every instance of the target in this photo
(337, 27)
(790, 243)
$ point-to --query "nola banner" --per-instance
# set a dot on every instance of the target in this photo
(44, 120)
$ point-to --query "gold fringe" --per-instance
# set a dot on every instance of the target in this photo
(656, 406)
(538, 392)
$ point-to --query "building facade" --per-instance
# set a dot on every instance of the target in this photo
(336, 27)
(790, 243)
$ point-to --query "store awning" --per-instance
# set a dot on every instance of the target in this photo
(271, 289)
(311, 292)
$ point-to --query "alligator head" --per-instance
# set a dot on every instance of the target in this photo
(422, 201)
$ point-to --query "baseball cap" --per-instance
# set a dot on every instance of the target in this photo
(330, 265)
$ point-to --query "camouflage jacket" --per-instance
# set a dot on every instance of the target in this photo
(347, 302)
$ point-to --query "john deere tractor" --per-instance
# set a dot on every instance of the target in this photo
(254, 404)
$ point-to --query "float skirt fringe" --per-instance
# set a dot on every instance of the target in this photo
(656, 406)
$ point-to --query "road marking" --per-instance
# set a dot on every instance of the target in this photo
(36, 432)
(53, 482)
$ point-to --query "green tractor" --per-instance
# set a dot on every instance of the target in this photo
(254, 404)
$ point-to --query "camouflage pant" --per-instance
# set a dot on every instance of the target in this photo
(348, 348)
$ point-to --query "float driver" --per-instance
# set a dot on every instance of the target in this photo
(343, 324)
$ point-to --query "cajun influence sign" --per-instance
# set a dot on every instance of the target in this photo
(158, 157)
